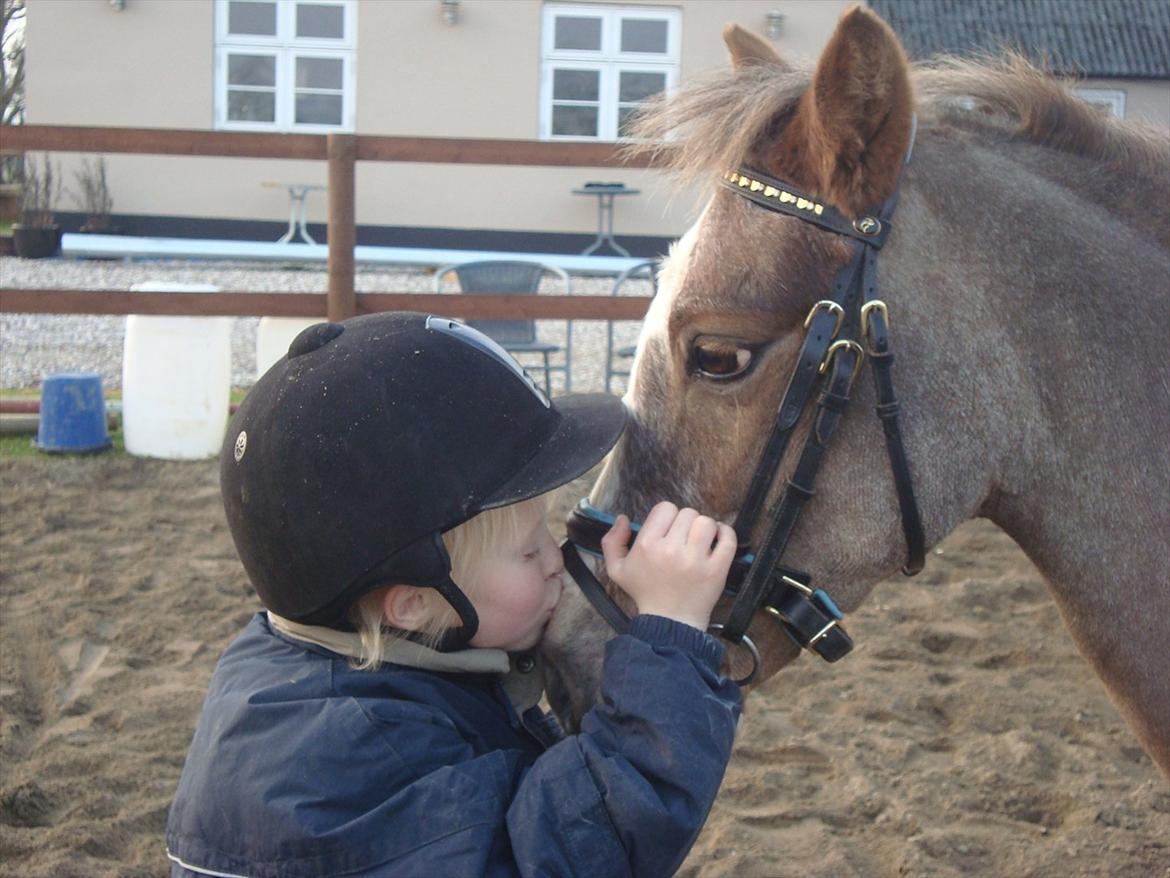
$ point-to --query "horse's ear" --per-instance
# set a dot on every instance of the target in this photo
(749, 48)
(857, 114)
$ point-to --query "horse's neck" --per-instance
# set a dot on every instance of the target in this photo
(1087, 494)
(1091, 511)
(1079, 309)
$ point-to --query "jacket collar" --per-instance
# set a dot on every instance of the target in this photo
(397, 650)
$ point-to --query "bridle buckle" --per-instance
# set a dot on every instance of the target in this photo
(874, 305)
(797, 584)
(846, 344)
(816, 637)
(831, 307)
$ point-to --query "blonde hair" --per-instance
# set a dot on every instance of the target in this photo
(468, 544)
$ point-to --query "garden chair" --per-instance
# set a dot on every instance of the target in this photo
(518, 336)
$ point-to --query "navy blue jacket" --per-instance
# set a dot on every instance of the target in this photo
(304, 767)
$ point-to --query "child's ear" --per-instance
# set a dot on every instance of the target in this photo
(406, 607)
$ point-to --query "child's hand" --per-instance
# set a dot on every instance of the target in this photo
(678, 565)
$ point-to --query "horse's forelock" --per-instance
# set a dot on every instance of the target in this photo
(716, 121)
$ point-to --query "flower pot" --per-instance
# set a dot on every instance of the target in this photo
(36, 242)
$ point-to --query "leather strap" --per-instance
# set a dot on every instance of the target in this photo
(808, 616)
(797, 492)
(881, 360)
(781, 197)
(593, 590)
(854, 286)
(811, 619)
(855, 317)
(821, 332)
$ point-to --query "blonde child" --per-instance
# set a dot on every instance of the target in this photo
(384, 485)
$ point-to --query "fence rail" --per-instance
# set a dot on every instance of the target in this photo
(479, 306)
(341, 152)
(368, 148)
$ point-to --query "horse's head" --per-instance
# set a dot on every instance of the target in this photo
(723, 334)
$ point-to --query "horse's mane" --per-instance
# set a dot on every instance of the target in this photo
(716, 121)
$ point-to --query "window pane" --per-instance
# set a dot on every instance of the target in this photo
(252, 17)
(322, 22)
(624, 114)
(577, 33)
(259, 70)
(576, 85)
(319, 73)
(574, 121)
(317, 109)
(644, 35)
(639, 86)
(251, 106)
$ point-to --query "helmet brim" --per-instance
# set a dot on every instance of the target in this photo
(590, 426)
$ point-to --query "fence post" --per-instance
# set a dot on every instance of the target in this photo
(341, 300)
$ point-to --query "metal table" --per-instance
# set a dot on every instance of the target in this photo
(296, 209)
(605, 193)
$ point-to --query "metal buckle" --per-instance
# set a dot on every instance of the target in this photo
(816, 637)
(799, 586)
(873, 305)
(717, 629)
(849, 344)
(772, 611)
(830, 306)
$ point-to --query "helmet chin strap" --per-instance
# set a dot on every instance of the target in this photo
(457, 638)
(424, 564)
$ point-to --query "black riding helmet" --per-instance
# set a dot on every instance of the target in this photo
(351, 455)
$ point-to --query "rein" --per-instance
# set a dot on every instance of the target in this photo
(840, 331)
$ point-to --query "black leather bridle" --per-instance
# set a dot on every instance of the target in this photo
(841, 330)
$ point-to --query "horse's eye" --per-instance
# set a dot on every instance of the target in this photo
(720, 358)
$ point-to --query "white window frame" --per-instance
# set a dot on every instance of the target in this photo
(286, 47)
(1113, 99)
(610, 60)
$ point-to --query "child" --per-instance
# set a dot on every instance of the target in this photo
(383, 484)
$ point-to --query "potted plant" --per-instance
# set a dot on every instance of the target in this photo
(93, 197)
(37, 235)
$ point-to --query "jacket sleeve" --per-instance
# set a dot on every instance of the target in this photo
(629, 793)
(626, 796)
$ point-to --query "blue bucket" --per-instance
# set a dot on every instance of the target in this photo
(73, 414)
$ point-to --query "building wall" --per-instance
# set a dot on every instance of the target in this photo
(151, 65)
(1146, 100)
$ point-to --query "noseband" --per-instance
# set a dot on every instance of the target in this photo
(841, 330)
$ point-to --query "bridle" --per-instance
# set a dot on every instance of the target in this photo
(841, 330)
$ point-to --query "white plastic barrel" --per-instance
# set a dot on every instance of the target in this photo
(274, 335)
(176, 380)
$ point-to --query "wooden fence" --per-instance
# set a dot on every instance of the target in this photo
(341, 151)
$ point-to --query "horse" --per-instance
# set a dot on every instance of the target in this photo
(1025, 281)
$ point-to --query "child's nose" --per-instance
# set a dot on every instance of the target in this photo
(554, 562)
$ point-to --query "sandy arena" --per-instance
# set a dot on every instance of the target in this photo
(964, 736)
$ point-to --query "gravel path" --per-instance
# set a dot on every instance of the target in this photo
(33, 346)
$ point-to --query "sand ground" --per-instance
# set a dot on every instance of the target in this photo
(964, 736)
